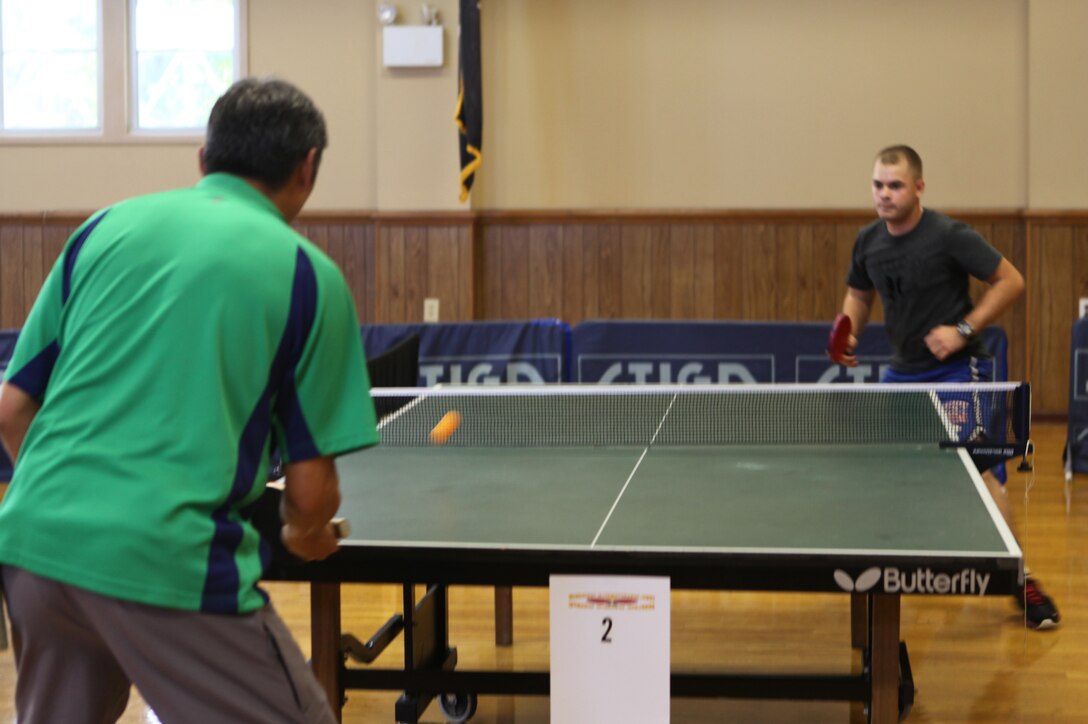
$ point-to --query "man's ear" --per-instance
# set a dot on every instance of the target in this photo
(200, 162)
(308, 170)
(920, 186)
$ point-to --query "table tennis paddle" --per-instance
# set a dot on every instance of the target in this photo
(839, 338)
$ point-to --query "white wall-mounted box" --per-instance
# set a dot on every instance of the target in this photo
(412, 46)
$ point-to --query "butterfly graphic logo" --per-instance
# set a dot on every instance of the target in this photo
(864, 582)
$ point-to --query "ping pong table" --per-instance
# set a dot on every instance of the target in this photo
(866, 490)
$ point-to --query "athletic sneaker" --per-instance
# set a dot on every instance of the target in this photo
(1039, 611)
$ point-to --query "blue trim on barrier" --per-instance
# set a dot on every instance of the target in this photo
(534, 351)
(549, 350)
(1077, 431)
(649, 352)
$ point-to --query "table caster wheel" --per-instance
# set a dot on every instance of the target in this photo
(457, 708)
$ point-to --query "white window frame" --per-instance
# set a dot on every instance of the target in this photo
(117, 88)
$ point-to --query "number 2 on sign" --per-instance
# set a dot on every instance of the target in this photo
(607, 623)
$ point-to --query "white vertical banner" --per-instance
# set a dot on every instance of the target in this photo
(610, 649)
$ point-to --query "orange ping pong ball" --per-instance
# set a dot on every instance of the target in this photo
(446, 427)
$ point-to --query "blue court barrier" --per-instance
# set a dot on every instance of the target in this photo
(477, 353)
(653, 352)
(1076, 443)
(640, 352)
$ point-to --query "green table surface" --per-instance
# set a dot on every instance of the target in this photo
(805, 498)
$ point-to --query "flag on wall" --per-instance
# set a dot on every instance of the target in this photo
(470, 101)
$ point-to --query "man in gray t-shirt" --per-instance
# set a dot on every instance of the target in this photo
(922, 279)
(921, 262)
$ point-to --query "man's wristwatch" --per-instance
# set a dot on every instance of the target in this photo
(965, 329)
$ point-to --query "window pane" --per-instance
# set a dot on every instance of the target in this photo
(50, 64)
(50, 91)
(177, 89)
(191, 24)
(184, 60)
(52, 25)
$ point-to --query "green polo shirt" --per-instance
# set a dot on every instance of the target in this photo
(176, 336)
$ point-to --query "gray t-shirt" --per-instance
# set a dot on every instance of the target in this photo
(923, 280)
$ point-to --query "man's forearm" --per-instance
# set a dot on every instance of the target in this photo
(311, 494)
(858, 305)
(311, 497)
(17, 411)
(1006, 286)
(307, 520)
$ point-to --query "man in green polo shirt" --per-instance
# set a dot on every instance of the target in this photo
(179, 337)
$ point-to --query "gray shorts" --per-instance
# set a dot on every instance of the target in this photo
(78, 653)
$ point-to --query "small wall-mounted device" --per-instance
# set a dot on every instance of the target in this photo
(412, 46)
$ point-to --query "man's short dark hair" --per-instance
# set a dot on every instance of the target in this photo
(894, 154)
(261, 129)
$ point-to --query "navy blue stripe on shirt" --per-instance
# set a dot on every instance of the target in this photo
(222, 581)
(71, 253)
(297, 436)
(34, 376)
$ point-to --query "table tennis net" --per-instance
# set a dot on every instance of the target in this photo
(689, 415)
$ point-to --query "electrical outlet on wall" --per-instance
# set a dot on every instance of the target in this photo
(1083, 307)
(430, 309)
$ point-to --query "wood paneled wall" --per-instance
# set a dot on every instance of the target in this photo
(28, 247)
(658, 269)
(752, 266)
(1058, 278)
(737, 265)
(349, 241)
(424, 256)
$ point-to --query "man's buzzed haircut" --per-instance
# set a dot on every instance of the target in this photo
(894, 154)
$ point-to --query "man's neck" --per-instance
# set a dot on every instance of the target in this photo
(905, 226)
(286, 199)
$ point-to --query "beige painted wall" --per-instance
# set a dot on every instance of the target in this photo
(328, 48)
(1058, 105)
(40, 178)
(417, 160)
(703, 103)
(648, 104)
